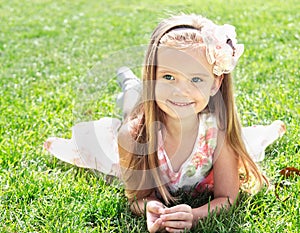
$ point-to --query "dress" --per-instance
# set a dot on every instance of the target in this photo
(94, 145)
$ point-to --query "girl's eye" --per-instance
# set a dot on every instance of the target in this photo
(196, 80)
(168, 77)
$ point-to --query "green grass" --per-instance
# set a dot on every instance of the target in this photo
(46, 50)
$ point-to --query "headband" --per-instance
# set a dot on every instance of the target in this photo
(222, 50)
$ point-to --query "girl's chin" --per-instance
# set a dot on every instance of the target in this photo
(182, 114)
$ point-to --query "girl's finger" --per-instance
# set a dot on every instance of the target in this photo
(177, 226)
(154, 207)
(177, 216)
(155, 226)
(174, 230)
(178, 208)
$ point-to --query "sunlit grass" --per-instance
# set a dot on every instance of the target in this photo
(47, 48)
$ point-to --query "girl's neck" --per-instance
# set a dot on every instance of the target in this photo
(179, 139)
(177, 127)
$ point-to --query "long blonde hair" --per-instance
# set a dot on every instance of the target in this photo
(149, 113)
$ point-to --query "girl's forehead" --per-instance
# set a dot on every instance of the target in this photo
(188, 60)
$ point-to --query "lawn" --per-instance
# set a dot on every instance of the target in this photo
(57, 67)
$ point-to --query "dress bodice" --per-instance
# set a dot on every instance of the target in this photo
(198, 167)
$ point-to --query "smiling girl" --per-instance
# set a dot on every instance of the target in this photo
(182, 133)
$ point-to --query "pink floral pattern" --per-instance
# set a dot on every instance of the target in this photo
(198, 166)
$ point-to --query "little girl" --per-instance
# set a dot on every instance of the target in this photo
(182, 132)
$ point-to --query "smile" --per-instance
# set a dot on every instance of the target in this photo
(180, 104)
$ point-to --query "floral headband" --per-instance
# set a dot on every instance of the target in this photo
(222, 50)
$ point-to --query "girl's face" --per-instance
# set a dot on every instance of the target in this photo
(184, 82)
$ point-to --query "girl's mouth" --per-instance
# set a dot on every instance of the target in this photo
(180, 104)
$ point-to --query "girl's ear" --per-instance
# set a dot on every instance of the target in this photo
(216, 85)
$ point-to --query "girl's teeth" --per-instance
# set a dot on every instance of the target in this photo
(181, 104)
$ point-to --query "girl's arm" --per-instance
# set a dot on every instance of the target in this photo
(226, 180)
(146, 201)
(126, 150)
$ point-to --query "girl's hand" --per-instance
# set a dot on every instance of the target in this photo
(153, 212)
(177, 218)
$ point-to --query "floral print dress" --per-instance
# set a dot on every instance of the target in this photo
(94, 145)
(197, 169)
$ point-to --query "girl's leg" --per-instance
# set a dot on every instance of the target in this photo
(131, 90)
(94, 144)
(258, 137)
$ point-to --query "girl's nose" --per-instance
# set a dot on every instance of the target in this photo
(182, 88)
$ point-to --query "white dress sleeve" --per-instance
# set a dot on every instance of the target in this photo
(93, 145)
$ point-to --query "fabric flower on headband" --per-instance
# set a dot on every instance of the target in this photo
(222, 49)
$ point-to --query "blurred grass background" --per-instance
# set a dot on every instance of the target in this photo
(47, 50)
